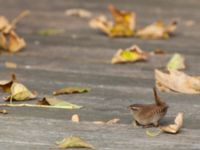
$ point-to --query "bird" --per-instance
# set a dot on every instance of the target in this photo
(148, 115)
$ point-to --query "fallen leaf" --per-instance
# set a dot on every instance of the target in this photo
(71, 90)
(101, 23)
(5, 25)
(177, 81)
(177, 62)
(130, 55)
(109, 122)
(20, 93)
(123, 25)
(58, 103)
(15, 42)
(9, 40)
(153, 133)
(157, 30)
(9, 64)
(174, 128)
(82, 13)
(50, 32)
(113, 121)
(75, 118)
(6, 84)
(3, 111)
(74, 142)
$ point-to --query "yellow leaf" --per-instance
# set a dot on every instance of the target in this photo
(157, 30)
(131, 55)
(58, 103)
(123, 25)
(71, 90)
(20, 93)
(74, 142)
(176, 62)
(153, 134)
(174, 128)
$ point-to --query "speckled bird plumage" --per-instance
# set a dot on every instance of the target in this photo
(149, 114)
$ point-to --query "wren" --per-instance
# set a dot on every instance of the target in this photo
(148, 115)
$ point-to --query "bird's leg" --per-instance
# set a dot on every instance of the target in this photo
(135, 124)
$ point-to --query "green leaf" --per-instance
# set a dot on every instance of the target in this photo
(50, 32)
(71, 90)
(176, 62)
(58, 103)
(20, 93)
(74, 142)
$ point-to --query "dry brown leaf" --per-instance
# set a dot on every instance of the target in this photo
(157, 30)
(130, 55)
(15, 42)
(101, 23)
(75, 118)
(9, 40)
(6, 84)
(9, 64)
(123, 25)
(177, 81)
(71, 90)
(82, 13)
(174, 128)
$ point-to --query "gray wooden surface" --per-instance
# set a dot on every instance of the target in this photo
(80, 57)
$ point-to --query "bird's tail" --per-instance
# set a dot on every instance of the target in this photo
(158, 101)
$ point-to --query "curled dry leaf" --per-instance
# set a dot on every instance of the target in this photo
(130, 55)
(123, 25)
(20, 93)
(71, 90)
(177, 62)
(157, 30)
(15, 42)
(9, 64)
(82, 13)
(74, 142)
(6, 84)
(9, 40)
(75, 118)
(57, 103)
(177, 81)
(174, 128)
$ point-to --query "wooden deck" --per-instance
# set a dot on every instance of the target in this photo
(80, 57)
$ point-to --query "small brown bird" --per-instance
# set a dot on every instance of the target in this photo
(149, 114)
